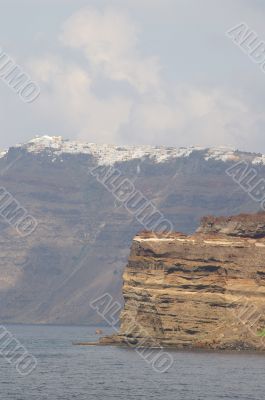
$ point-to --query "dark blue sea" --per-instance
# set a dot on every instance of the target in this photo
(67, 372)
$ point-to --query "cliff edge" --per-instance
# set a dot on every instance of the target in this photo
(206, 290)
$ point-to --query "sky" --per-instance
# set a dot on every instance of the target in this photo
(158, 72)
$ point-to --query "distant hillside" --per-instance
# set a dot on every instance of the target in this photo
(83, 236)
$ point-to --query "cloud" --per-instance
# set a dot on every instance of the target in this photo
(194, 116)
(101, 87)
(67, 97)
(109, 40)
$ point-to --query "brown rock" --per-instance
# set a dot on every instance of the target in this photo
(244, 225)
(198, 291)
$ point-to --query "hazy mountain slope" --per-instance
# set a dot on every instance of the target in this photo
(83, 236)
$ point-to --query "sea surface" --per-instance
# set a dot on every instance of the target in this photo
(68, 372)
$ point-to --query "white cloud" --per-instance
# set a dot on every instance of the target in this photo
(148, 109)
(109, 40)
(205, 117)
(68, 98)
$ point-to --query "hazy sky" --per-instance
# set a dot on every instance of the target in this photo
(134, 72)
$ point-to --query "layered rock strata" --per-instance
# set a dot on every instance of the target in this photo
(81, 244)
(206, 290)
(242, 225)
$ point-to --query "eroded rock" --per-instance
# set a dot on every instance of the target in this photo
(205, 290)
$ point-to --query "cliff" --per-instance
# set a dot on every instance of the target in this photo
(244, 225)
(205, 290)
(82, 240)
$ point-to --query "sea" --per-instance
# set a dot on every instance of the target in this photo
(65, 371)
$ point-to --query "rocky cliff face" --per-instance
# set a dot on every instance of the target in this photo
(206, 290)
(83, 236)
(243, 225)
